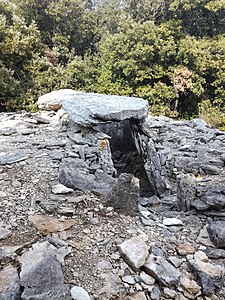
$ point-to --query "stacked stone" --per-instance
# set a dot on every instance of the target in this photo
(89, 165)
(184, 158)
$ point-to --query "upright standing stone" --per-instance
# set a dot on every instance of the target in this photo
(124, 195)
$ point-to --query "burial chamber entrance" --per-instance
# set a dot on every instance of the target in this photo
(125, 156)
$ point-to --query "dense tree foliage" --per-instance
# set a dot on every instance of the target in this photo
(170, 52)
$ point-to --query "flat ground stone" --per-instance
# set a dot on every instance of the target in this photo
(216, 230)
(134, 251)
(11, 158)
(172, 222)
(4, 233)
(162, 270)
(185, 249)
(9, 284)
(89, 108)
(46, 224)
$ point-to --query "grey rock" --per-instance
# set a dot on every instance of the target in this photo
(74, 174)
(216, 231)
(61, 189)
(28, 131)
(147, 279)
(215, 253)
(56, 154)
(7, 251)
(41, 273)
(11, 158)
(210, 275)
(134, 251)
(210, 285)
(2, 195)
(8, 131)
(172, 222)
(153, 168)
(89, 108)
(9, 284)
(124, 195)
(186, 191)
(177, 262)
(154, 200)
(148, 222)
(210, 195)
(128, 279)
(161, 270)
(78, 293)
(52, 143)
(48, 206)
(4, 233)
(155, 293)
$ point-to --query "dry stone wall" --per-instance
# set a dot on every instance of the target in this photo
(184, 158)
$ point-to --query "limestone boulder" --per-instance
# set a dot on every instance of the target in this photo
(52, 100)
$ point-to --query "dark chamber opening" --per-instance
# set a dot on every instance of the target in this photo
(125, 156)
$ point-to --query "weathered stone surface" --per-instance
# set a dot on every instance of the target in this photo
(7, 251)
(215, 253)
(134, 251)
(185, 249)
(61, 189)
(46, 224)
(2, 195)
(89, 108)
(190, 285)
(52, 100)
(124, 195)
(210, 275)
(138, 296)
(172, 222)
(155, 293)
(162, 270)
(186, 191)
(191, 170)
(147, 279)
(41, 274)
(210, 195)
(216, 231)
(4, 233)
(72, 175)
(11, 158)
(9, 284)
(78, 293)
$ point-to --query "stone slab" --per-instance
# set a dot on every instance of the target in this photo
(88, 108)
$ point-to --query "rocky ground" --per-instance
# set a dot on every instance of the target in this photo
(159, 253)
